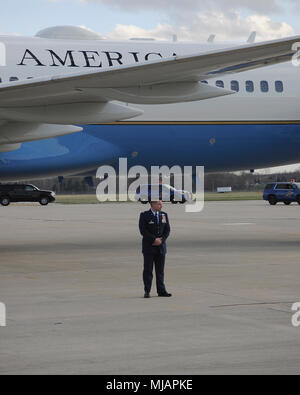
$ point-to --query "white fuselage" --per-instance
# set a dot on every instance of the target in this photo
(258, 98)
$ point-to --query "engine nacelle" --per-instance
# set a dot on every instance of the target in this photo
(12, 134)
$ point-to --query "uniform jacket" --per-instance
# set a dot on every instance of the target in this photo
(150, 230)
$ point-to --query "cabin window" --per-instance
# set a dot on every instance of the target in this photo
(249, 86)
(235, 86)
(220, 84)
(279, 86)
(11, 79)
(204, 82)
(264, 86)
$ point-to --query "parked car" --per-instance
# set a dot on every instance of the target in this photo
(163, 192)
(24, 193)
(286, 192)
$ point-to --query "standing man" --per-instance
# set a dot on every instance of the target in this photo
(155, 229)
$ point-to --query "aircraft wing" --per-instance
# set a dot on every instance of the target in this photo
(98, 85)
(49, 106)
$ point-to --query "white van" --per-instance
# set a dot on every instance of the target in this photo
(163, 192)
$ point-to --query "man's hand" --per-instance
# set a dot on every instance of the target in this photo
(157, 242)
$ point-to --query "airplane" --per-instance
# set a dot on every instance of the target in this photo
(71, 101)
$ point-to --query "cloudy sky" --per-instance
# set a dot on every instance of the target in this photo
(190, 20)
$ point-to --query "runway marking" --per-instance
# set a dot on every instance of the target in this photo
(249, 304)
(239, 224)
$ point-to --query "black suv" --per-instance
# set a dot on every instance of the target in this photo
(24, 193)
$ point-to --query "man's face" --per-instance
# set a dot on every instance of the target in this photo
(157, 206)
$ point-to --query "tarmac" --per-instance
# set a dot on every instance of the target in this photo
(71, 279)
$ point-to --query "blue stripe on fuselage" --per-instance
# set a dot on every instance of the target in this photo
(219, 147)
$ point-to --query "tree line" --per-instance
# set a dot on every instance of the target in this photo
(244, 181)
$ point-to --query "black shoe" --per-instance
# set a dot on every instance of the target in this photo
(165, 294)
(147, 295)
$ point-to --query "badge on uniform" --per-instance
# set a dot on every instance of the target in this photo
(164, 219)
(151, 223)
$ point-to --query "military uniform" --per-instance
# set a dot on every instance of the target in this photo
(153, 226)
